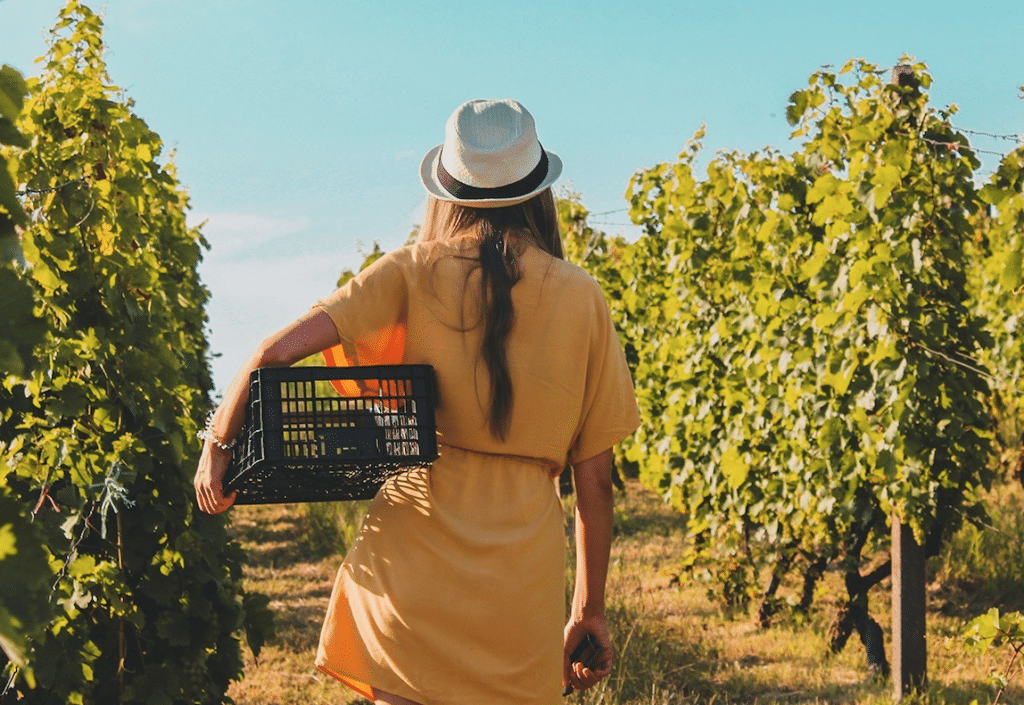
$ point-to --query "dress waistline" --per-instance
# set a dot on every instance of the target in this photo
(552, 469)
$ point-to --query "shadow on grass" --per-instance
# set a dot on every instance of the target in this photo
(270, 534)
(282, 535)
(297, 627)
(280, 566)
(289, 592)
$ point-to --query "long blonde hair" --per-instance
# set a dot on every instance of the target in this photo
(536, 221)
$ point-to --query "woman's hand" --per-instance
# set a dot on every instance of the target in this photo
(593, 480)
(209, 480)
(310, 334)
(580, 676)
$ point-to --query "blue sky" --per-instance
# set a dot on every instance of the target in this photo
(299, 126)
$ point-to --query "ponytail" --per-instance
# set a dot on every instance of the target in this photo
(499, 265)
(501, 231)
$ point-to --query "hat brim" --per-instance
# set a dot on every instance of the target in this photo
(428, 175)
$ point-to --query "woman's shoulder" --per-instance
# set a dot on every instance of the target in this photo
(403, 261)
(422, 253)
(566, 274)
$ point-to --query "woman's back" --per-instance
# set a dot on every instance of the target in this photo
(427, 296)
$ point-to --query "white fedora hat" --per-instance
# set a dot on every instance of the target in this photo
(490, 157)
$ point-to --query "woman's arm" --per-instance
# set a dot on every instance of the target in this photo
(310, 334)
(593, 479)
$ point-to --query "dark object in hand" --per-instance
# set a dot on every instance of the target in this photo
(587, 652)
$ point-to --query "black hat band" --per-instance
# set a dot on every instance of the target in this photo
(522, 187)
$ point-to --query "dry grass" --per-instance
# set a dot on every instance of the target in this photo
(673, 644)
(298, 581)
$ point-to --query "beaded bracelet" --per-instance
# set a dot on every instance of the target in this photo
(207, 434)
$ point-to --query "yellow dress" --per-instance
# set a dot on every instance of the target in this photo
(454, 590)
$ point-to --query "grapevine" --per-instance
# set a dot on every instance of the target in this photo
(145, 593)
(807, 360)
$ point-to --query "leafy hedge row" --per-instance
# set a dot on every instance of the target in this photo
(823, 339)
(141, 597)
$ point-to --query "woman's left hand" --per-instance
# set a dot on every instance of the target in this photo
(580, 676)
(209, 480)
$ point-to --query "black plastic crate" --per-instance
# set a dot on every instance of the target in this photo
(316, 434)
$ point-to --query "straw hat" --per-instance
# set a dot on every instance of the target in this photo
(490, 157)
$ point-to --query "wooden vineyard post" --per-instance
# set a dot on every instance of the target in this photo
(909, 650)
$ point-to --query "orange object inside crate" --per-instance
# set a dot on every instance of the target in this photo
(383, 347)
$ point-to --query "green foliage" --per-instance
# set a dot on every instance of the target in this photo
(996, 286)
(24, 570)
(146, 590)
(805, 358)
(368, 258)
(372, 256)
(24, 583)
(599, 253)
(992, 631)
(19, 330)
(12, 96)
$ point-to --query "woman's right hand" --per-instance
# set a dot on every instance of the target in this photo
(310, 334)
(209, 480)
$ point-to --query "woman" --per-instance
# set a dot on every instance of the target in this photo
(454, 590)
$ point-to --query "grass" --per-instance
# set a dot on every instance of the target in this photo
(674, 645)
(298, 579)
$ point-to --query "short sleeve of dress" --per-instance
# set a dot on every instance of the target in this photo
(370, 312)
(609, 412)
